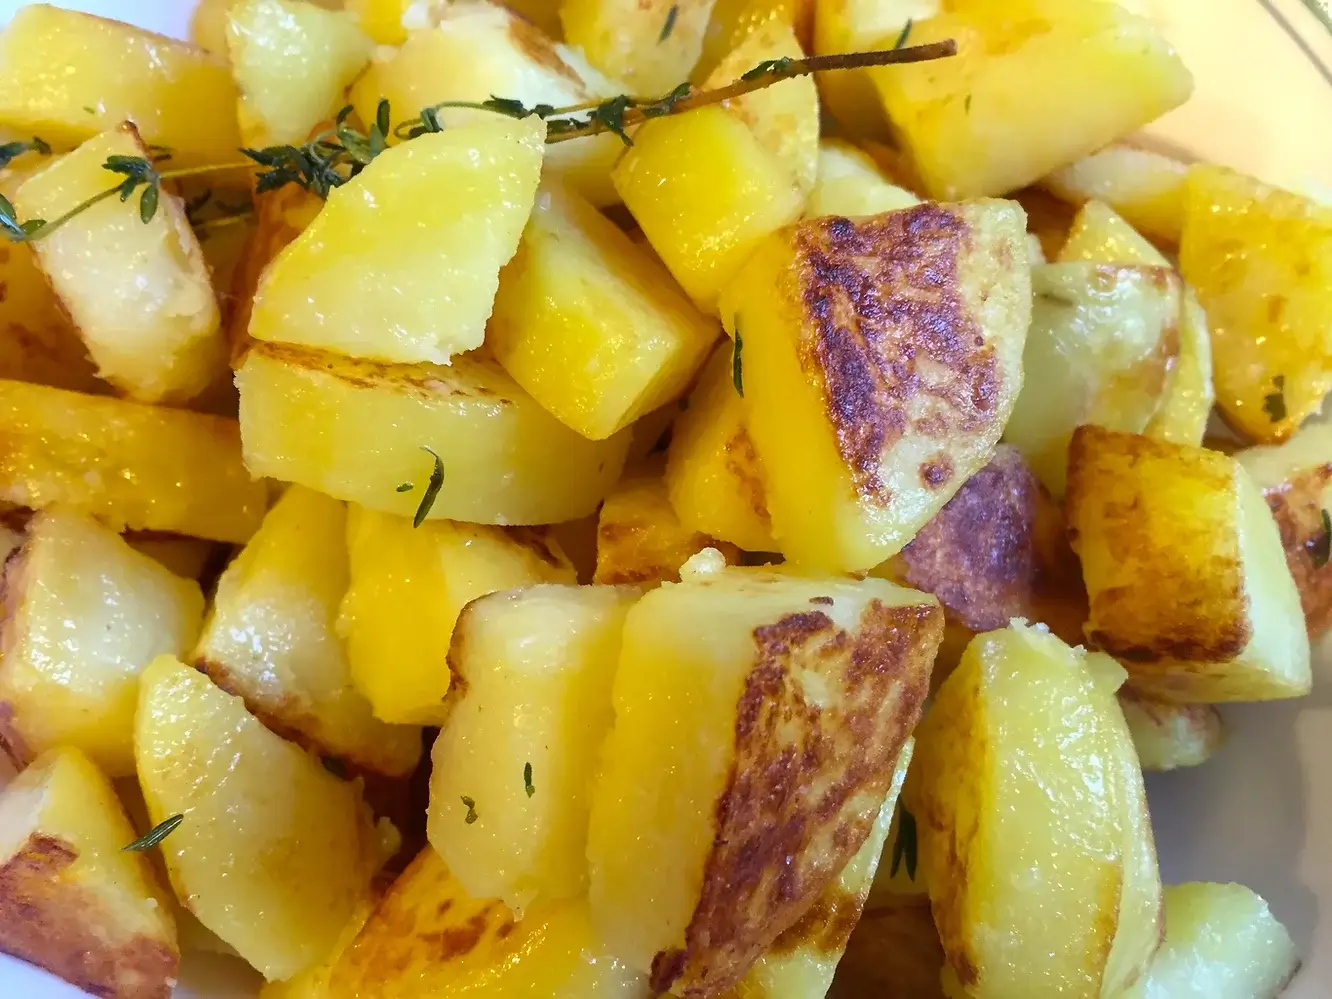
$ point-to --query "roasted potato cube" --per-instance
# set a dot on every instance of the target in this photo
(408, 586)
(1035, 85)
(313, 982)
(733, 21)
(522, 740)
(784, 117)
(139, 295)
(651, 45)
(640, 539)
(428, 937)
(1149, 518)
(1221, 942)
(475, 50)
(270, 637)
(758, 720)
(1024, 763)
(849, 183)
(1261, 261)
(892, 952)
(705, 192)
(1146, 188)
(870, 408)
(402, 264)
(1168, 736)
(713, 475)
(83, 614)
(1102, 343)
(1296, 480)
(127, 464)
(1100, 235)
(67, 76)
(355, 429)
(72, 899)
(292, 61)
(855, 26)
(590, 323)
(381, 19)
(273, 853)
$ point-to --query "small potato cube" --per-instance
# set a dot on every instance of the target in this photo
(1100, 235)
(759, 717)
(705, 192)
(428, 937)
(402, 263)
(1184, 568)
(408, 586)
(270, 638)
(1024, 763)
(1168, 736)
(1296, 480)
(355, 429)
(139, 295)
(1221, 942)
(1261, 261)
(640, 539)
(72, 899)
(472, 51)
(652, 45)
(1102, 343)
(855, 26)
(127, 464)
(713, 475)
(292, 61)
(892, 952)
(522, 740)
(67, 76)
(850, 184)
(1035, 85)
(733, 21)
(870, 408)
(83, 615)
(590, 323)
(273, 853)
(1146, 188)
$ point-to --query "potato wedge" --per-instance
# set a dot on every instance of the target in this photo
(1168, 736)
(1146, 188)
(1221, 942)
(1149, 518)
(892, 952)
(713, 475)
(56, 65)
(630, 40)
(591, 324)
(849, 183)
(641, 541)
(1261, 261)
(273, 853)
(1084, 919)
(270, 638)
(83, 615)
(855, 26)
(72, 900)
(392, 228)
(139, 295)
(523, 737)
(1036, 84)
(472, 51)
(428, 937)
(408, 586)
(863, 438)
(1296, 480)
(355, 430)
(129, 465)
(292, 61)
(758, 719)
(1103, 341)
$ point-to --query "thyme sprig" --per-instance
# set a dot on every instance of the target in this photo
(10, 151)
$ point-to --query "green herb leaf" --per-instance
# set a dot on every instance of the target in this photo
(1321, 547)
(406, 487)
(527, 780)
(148, 203)
(10, 151)
(611, 114)
(471, 809)
(902, 38)
(736, 374)
(768, 67)
(904, 847)
(1274, 403)
(669, 26)
(431, 490)
(155, 835)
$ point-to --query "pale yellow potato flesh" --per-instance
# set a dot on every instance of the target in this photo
(850, 183)
(628, 40)
(1146, 188)
(1168, 735)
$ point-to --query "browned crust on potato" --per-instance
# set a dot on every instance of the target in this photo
(532, 42)
(55, 923)
(1297, 507)
(12, 588)
(806, 782)
(826, 925)
(636, 553)
(742, 462)
(890, 340)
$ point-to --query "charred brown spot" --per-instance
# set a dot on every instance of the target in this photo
(827, 601)
(742, 462)
(534, 43)
(455, 941)
(826, 925)
(1297, 508)
(937, 471)
(892, 342)
(536, 540)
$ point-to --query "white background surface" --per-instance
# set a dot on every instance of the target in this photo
(1260, 812)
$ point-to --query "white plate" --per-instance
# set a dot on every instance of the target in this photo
(1261, 812)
